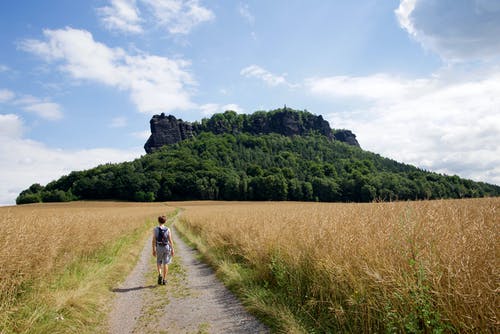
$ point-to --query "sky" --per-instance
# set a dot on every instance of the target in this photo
(417, 81)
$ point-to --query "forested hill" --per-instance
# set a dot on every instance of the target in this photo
(249, 167)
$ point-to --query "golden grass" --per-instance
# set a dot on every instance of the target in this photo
(394, 267)
(39, 242)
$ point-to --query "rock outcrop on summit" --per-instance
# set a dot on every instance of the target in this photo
(167, 130)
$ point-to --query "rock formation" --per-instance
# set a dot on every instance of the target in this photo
(167, 130)
(288, 122)
(346, 136)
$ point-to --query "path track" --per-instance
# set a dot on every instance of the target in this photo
(193, 301)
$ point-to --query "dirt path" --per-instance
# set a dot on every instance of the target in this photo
(193, 301)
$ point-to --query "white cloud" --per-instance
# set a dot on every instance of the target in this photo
(176, 16)
(156, 84)
(179, 16)
(244, 11)
(233, 107)
(6, 95)
(121, 15)
(255, 71)
(47, 110)
(378, 86)
(3, 68)
(441, 123)
(456, 30)
(118, 122)
(212, 108)
(43, 108)
(10, 126)
(403, 13)
(25, 161)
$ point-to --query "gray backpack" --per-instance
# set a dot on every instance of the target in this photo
(162, 238)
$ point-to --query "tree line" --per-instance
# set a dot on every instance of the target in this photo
(242, 166)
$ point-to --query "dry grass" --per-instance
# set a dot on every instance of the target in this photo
(395, 267)
(40, 240)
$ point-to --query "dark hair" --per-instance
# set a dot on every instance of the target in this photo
(162, 219)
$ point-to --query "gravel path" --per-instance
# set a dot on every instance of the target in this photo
(193, 301)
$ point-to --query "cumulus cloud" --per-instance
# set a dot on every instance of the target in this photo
(255, 71)
(439, 123)
(121, 15)
(156, 84)
(456, 30)
(25, 161)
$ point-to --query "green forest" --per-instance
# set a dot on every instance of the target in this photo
(243, 166)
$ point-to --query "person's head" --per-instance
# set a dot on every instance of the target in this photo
(162, 220)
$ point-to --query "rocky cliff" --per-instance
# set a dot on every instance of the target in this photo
(346, 136)
(288, 122)
(167, 130)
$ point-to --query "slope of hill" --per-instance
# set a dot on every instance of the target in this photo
(245, 166)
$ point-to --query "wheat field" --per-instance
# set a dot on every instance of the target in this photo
(393, 267)
(39, 239)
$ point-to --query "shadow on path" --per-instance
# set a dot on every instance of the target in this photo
(135, 289)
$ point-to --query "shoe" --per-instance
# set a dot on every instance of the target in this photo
(163, 281)
(160, 280)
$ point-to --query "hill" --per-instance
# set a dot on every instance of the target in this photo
(240, 165)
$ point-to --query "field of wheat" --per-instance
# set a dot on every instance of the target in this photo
(40, 239)
(428, 266)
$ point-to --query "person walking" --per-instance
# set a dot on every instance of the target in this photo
(163, 249)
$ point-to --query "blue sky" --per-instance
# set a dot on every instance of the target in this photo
(416, 80)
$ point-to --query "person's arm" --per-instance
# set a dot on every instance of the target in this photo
(153, 243)
(171, 243)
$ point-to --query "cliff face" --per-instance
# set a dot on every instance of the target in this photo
(346, 136)
(167, 130)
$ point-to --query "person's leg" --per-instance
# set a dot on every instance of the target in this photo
(158, 267)
(158, 264)
(164, 272)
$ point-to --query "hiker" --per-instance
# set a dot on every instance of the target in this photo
(163, 249)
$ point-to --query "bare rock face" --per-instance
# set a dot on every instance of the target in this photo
(290, 123)
(167, 130)
(346, 136)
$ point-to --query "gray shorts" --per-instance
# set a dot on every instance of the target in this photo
(163, 254)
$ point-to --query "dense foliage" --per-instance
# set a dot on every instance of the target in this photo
(283, 121)
(248, 167)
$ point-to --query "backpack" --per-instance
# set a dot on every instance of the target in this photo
(162, 237)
